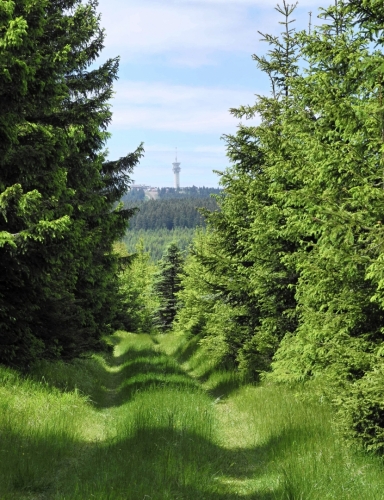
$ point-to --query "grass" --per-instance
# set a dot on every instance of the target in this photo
(158, 420)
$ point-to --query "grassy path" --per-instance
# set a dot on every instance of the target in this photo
(159, 421)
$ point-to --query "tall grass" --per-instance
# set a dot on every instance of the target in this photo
(285, 436)
(159, 420)
(40, 427)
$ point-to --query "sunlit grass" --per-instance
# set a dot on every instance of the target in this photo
(40, 427)
(160, 420)
(285, 438)
(297, 446)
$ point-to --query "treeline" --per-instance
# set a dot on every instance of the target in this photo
(58, 273)
(155, 242)
(287, 283)
(135, 195)
(187, 192)
(171, 213)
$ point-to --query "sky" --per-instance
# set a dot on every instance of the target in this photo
(183, 65)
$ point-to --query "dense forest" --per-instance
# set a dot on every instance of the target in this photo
(171, 213)
(286, 283)
(284, 286)
(171, 217)
(156, 241)
(138, 194)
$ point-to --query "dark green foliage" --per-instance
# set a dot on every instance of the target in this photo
(138, 194)
(167, 285)
(57, 191)
(170, 213)
(133, 196)
(171, 218)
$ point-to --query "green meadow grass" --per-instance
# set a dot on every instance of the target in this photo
(159, 420)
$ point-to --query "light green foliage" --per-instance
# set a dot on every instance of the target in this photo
(248, 278)
(361, 410)
(293, 261)
(202, 311)
(335, 213)
(138, 300)
(335, 177)
(156, 241)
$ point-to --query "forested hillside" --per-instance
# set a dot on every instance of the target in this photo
(171, 213)
(171, 217)
(138, 194)
(155, 241)
(187, 192)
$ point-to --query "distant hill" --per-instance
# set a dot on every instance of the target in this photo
(170, 213)
(135, 195)
(172, 217)
(156, 241)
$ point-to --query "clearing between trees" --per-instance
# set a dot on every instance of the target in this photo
(158, 420)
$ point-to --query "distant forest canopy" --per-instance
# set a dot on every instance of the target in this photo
(171, 213)
(135, 195)
(155, 241)
(172, 217)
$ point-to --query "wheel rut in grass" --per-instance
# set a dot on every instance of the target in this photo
(163, 423)
(156, 431)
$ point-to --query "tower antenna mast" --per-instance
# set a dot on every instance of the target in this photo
(176, 170)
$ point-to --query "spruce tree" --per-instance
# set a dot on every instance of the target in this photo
(57, 191)
(334, 210)
(167, 286)
(138, 300)
(256, 282)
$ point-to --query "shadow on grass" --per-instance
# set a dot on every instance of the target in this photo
(145, 460)
(29, 463)
(140, 369)
(222, 384)
(142, 462)
(217, 379)
(160, 463)
(185, 351)
(111, 381)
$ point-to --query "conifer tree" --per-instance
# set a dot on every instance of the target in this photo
(336, 206)
(57, 191)
(256, 283)
(139, 302)
(167, 286)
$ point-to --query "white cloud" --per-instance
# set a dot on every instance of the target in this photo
(158, 106)
(153, 29)
(196, 150)
(189, 33)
